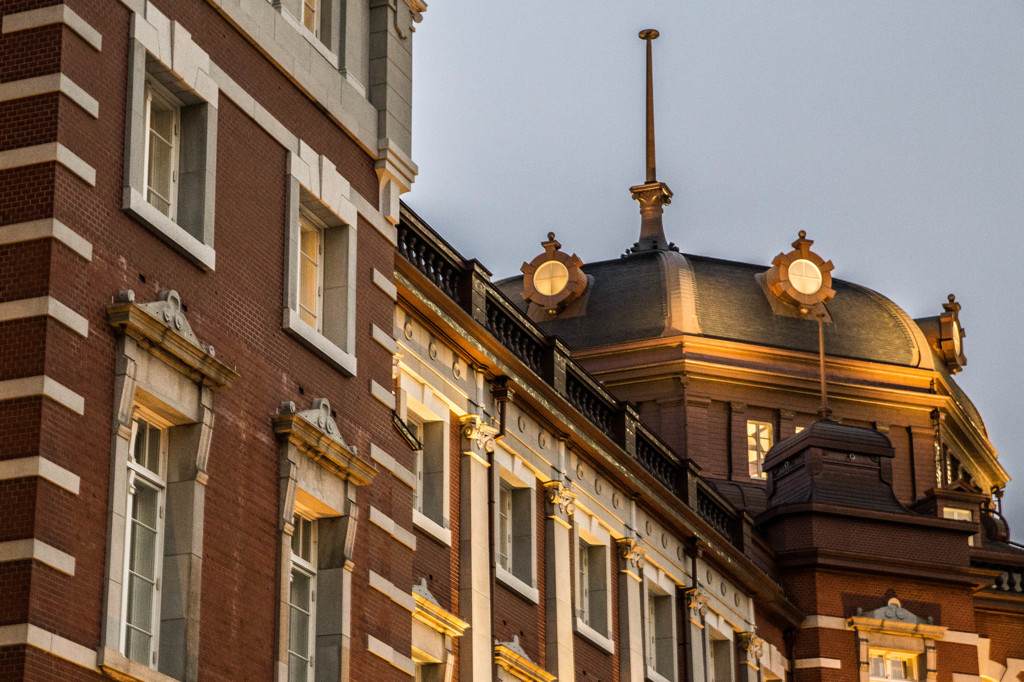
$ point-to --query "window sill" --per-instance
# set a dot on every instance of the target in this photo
(432, 528)
(527, 592)
(319, 344)
(654, 676)
(116, 665)
(593, 636)
(199, 253)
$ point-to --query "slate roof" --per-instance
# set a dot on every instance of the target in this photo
(653, 294)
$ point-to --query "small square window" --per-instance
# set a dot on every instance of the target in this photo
(891, 665)
(759, 442)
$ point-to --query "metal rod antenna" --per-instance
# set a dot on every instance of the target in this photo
(649, 35)
(824, 412)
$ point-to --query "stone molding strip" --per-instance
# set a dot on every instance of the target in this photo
(388, 653)
(42, 385)
(803, 663)
(54, 82)
(47, 228)
(54, 14)
(53, 644)
(47, 153)
(383, 338)
(380, 519)
(382, 394)
(31, 548)
(385, 284)
(389, 590)
(25, 467)
(389, 463)
(46, 306)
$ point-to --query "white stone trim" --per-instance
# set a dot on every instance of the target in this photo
(389, 590)
(382, 394)
(55, 645)
(346, 362)
(833, 663)
(829, 622)
(45, 153)
(54, 82)
(593, 636)
(531, 594)
(960, 637)
(388, 653)
(31, 548)
(966, 677)
(388, 462)
(24, 467)
(385, 284)
(382, 520)
(43, 229)
(431, 527)
(383, 338)
(44, 306)
(28, 387)
(54, 14)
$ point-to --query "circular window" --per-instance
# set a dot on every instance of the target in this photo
(550, 278)
(805, 276)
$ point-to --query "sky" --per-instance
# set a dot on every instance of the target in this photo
(892, 132)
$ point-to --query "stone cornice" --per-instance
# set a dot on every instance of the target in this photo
(434, 616)
(161, 328)
(323, 447)
(511, 657)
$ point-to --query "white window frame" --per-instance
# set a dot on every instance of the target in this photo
(188, 226)
(888, 655)
(512, 474)
(593, 613)
(659, 614)
(141, 475)
(756, 450)
(308, 567)
(308, 222)
(419, 404)
(721, 648)
(333, 337)
(155, 92)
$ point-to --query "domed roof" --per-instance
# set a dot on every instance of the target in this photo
(663, 293)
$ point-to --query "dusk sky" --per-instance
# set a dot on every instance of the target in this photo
(892, 132)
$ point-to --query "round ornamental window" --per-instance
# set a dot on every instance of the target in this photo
(805, 276)
(550, 278)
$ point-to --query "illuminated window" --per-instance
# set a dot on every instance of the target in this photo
(759, 441)
(889, 665)
(311, 270)
(311, 15)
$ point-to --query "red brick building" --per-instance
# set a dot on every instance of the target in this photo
(259, 421)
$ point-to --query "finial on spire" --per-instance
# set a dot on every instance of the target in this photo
(652, 195)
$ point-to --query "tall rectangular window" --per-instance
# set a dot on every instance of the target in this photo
(163, 123)
(311, 16)
(592, 585)
(759, 442)
(144, 558)
(505, 526)
(311, 270)
(302, 600)
(660, 638)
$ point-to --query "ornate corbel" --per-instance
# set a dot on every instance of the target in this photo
(476, 435)
(631, 557)
(561, 502)
(751, 649)
(696, 605)
(205, 434)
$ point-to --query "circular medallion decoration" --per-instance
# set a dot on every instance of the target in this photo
(736, 599)
(710, 576)
(723, 588)
(801, 278)
(457, 369)
(542, 439)
(432, 350)
(598, 486)
(552, 280)
(680, 554)
(616, 500)
(650, 528)
(580, 471)
(522, 423)
(407, 330)
(664, 541)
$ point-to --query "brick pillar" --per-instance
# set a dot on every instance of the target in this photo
(739, 469)
(631, 640)
(474, 550)
(559, 505)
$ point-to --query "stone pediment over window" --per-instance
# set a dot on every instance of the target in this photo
(433, 615)
(315, 433)
(511, 658)
(162, 328)
(893, 616)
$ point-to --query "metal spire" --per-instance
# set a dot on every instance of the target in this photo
(652, 195)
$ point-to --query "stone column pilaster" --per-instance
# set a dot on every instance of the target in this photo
(696, 609)
(631, 640)
(474, 549)
(559, 505)
(751, 648)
